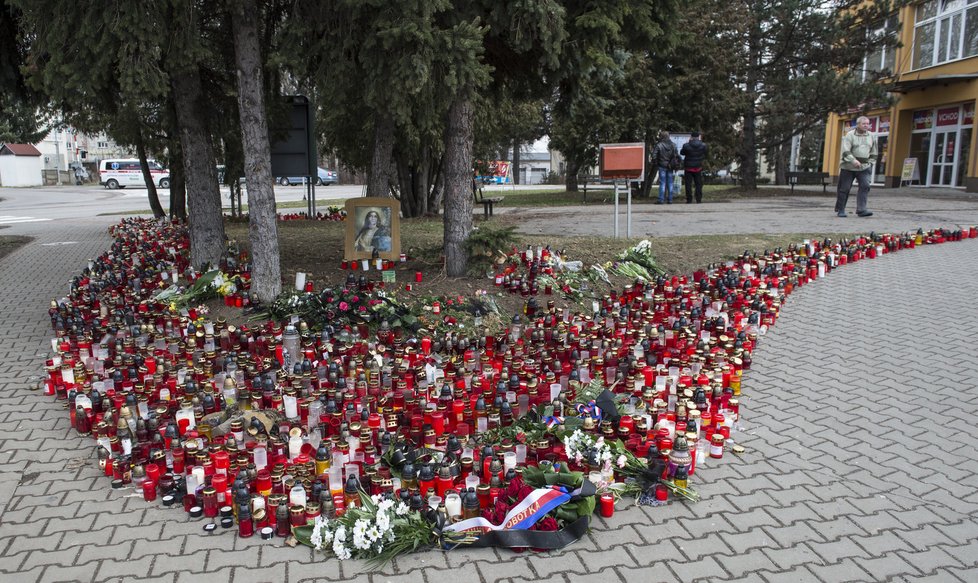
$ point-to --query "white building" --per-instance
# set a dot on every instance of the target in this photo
(20, 165)
(63, 148)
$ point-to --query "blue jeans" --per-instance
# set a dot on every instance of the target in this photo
(846, 178)
(665, 184)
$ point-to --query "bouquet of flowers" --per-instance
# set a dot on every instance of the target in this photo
(342, 306)
(214, 283)
(637, 262)
(377, 531)
(640, 476)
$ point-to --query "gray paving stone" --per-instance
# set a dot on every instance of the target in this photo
(657, 572)
(320, 569)
(225, 574)
(932, 559)
(194, 562)
(59, 574)
(131, 569)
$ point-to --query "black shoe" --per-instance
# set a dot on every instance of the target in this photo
(865, 214)
(668, 202)
(689, 201)
(842, 214)
(658, 202)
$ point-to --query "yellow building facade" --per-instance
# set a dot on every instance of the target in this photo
(927, 137)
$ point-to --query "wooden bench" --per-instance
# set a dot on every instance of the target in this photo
(584, 179)
(487, 202)
(808, 178)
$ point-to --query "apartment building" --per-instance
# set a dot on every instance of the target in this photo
(927, 137)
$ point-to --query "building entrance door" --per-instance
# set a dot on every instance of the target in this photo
(944, 169)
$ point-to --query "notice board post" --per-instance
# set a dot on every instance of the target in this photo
(622, 163)
(294, 152)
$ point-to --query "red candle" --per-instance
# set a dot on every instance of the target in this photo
(149, 490)
(221, 462)
(607, 505)
(152, 473)
(626, 423)
(438, 422)
(417, 277)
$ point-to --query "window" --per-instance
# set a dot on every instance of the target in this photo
(882, 59)
(945, 30)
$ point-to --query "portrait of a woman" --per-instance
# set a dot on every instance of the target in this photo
(373, 234)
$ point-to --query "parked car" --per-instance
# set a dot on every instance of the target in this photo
(325, 178)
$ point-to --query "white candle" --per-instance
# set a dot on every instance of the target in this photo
(300, 280)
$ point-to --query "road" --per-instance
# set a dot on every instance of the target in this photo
(63, 202)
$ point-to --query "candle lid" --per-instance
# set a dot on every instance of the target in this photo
(267, 533)
(196, 512)
(227, 511)
(116, 484)
(210, 527)
(168, 500)
(227, 522)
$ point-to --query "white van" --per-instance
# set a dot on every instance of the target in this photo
(120, 173)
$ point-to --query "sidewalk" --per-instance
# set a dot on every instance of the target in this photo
(895, 210)
(858, 412)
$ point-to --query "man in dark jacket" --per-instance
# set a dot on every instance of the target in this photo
(694, 153)
(665, 158)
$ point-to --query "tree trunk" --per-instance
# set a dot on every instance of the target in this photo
(436, 192)
(379, 180)
(204, 197)
(406, 188)
(458, 184)
(178, 178)
(515, 166)
(422, 172)
(571, 179)
(781, 163)
(154, 198)
(748, 144)
(178, 190)
(262, 228)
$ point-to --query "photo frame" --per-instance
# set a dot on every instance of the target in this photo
(372, 223)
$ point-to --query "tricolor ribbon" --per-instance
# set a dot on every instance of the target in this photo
(552, 421)
(590, 409)
(524, 515)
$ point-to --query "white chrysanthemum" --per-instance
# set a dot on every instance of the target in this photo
(384, 505)
(339, 548)
(401, 509)
(327, 536)
(383, 521)
(373, 534)
(342, 553)
(360, 542)
(377, 499)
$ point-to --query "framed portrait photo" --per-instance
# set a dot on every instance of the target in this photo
(372, 223)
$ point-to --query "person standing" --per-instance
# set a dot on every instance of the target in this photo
(694, 153)
(858, 158)
(665, 157)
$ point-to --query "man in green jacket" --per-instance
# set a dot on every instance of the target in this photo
(858, 159)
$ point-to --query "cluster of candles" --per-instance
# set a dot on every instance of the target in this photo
(268, 427)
